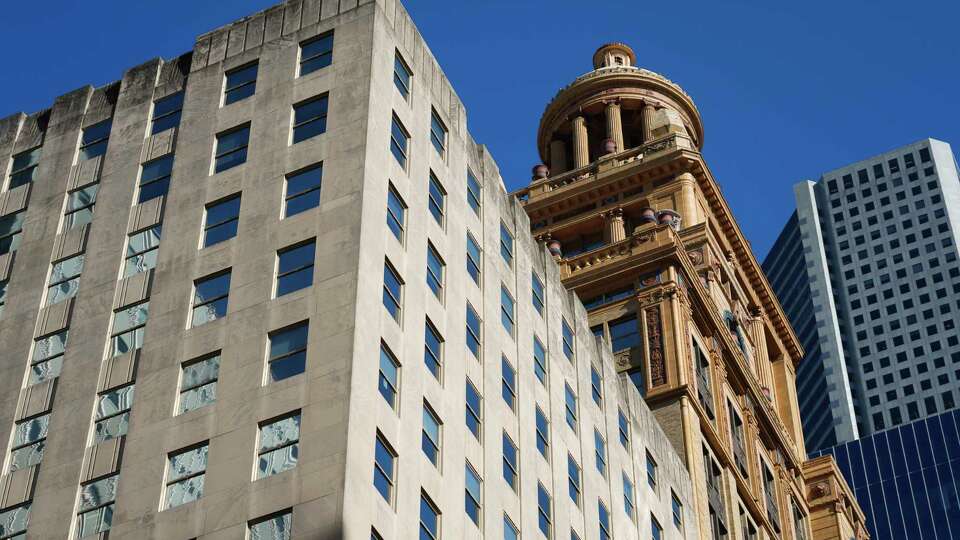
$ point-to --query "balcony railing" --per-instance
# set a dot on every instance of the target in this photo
(668, 142)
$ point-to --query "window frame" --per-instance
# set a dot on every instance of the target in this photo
(280, 275)
(401, 221)
(168, 482)
(310, 41)
(200, 303)
(259, 473)
(241, 87)
(288, 197)
(320, 116)
(178, 112)
(438, 140)
(271, 359)
(403, 159)
(390, 478)
(183, 389)
(404, 87)
(218, 154)
(396, 298)
(233, 219)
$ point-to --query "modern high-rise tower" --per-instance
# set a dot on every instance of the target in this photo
(867, 271)
(642, 234)
(272, 289)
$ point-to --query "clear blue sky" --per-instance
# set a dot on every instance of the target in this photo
(786, 91)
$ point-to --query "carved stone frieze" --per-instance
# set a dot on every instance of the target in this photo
(655, 352)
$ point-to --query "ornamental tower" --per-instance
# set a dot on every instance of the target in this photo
(637, 223)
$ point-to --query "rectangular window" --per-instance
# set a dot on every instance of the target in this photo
(392, 291)
(220, 222)
(506, 310)
(473, 494)
(24, 168)
(64, 279)
(210, 298)
(112, 418)
(11, 229)
(474, 192)
(510, 466)
(155, 178)
(93, 139)
(474, 409)
(600, 446)
(15, 521)
(240, 83)
(310, 118)
(508, 378)
(510, 531)
(435, 271)
(473, 258)
(279, 446)
(399, 141)
(770, 494)
(737, 437)
(128, 327)
(79, 208)
(186, 470)
(604, 519)
(47, 359)
(623, 426)
(473, 331)
(396, 213)
(624, 333)
(437, 199)
(656, 531)
(628, 500)
(198, 383)
(438, 133)
(430, 440)
(142, 250)
(29, 442)
(384, 467)
(401, 75)
(166, 113)
(538, 293)
(573, 479)
(303, 190)
(651, 472)
(95, 508)
(799, 520)
(231, 148)
(596, 386)
(545, 515)
(567, 334)
(704, 386)
(288, 352)
(543, 434)
(316, 53)
(570, 404)
(273, 527)
(429, 519)
(676, 508)
(506, 244)
(433, 349)
(295, 267)
(388, 381)
(539, 360)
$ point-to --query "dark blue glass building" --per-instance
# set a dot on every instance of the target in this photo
(907, 479)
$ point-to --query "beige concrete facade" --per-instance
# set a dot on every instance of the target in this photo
(326, 485)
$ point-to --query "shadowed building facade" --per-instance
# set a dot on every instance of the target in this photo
(640, 231)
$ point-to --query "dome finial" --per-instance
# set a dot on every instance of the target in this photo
(614, 54)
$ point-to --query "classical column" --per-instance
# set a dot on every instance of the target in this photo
(581, 148)
(615, 229)
(614, 124)
(688, 199)
(648, 112)
(558, 156)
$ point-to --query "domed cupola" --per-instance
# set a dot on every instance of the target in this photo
(615, 107)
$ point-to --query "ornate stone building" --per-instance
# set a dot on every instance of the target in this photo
(637, 223)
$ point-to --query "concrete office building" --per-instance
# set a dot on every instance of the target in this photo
(867, 271)
(273, 289)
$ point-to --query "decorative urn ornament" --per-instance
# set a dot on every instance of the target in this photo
(540, 171)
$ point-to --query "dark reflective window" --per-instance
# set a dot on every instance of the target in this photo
(231, 148)
(295, 267)
(303, 190)
(241, 83)
(166, 113)
(309, 118)
(155, 178)
(93, 141)
(316, 53)
(221, 221)
(288, 352)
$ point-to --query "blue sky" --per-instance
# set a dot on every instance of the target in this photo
(786, 91)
